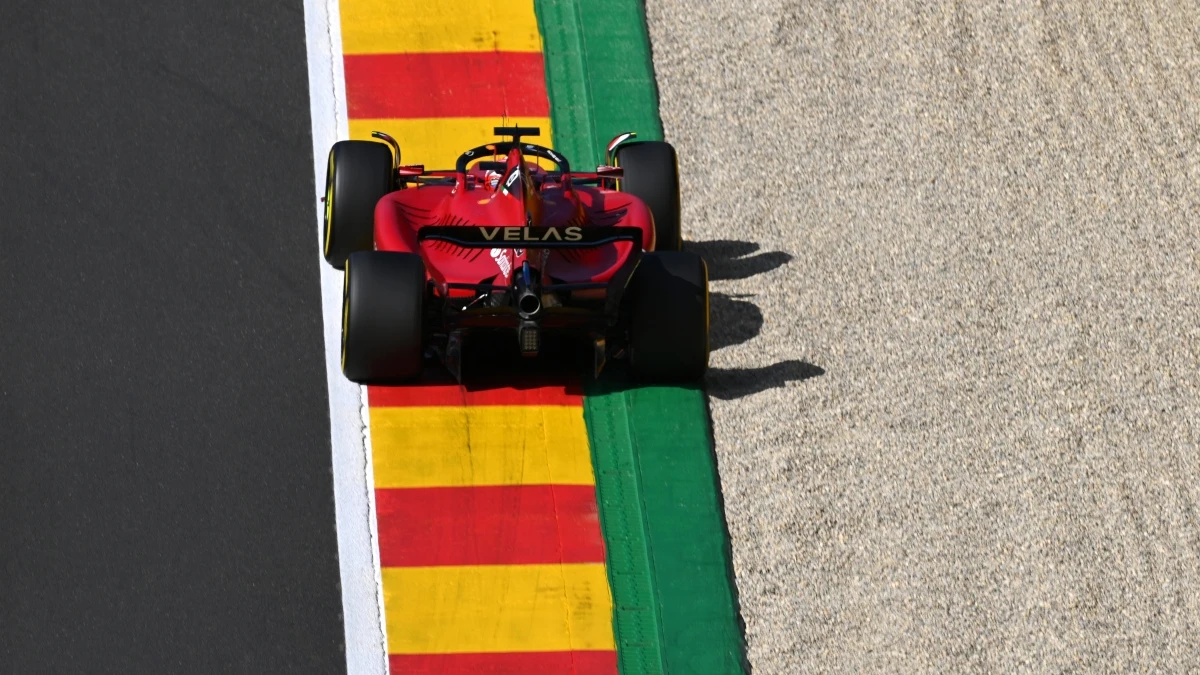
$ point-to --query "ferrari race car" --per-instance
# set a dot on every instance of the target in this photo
(502, 248)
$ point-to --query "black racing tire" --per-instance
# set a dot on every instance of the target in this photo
(358, 176)
(651, 173)
(382, 301)
(668, 323)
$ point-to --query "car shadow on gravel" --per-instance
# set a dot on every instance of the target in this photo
(732, 259)
(735, 319)
(730, 383)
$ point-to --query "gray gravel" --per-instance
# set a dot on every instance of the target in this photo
(991, 214)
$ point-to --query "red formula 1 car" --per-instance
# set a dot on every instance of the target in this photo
(500, 248)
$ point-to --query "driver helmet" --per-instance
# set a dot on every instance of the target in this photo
(491, 178)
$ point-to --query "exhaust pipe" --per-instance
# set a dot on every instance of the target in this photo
(529, 303)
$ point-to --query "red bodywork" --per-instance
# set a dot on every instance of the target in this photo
(525, 194)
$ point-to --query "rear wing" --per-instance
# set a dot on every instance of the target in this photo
(515, 236)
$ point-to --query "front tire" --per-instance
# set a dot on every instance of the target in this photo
(358, 176)
(651, 173)
(382, 304)
(668, 329)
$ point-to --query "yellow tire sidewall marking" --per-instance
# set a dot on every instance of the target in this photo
(329, 205)
(707, 316)
(345, 310)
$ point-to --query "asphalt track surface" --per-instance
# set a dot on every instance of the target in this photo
(957, 405)
(166, 502)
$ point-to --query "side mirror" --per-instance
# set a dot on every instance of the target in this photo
(610, 150)
(610, 171)
(410, 170)
(392, 142)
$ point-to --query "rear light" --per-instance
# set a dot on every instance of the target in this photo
(530, 338)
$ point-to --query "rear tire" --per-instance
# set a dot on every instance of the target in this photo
(358, 176)
(651, 173)
(668, 329)
(381, 316)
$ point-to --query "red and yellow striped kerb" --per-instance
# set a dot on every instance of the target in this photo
(489, 538)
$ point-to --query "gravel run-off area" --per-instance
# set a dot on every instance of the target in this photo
(956, 385)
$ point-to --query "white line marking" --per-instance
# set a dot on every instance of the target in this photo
(353, 475)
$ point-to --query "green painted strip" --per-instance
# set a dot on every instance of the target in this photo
(656, 476)
(599, 75)
(653, 456)
(624, 521)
